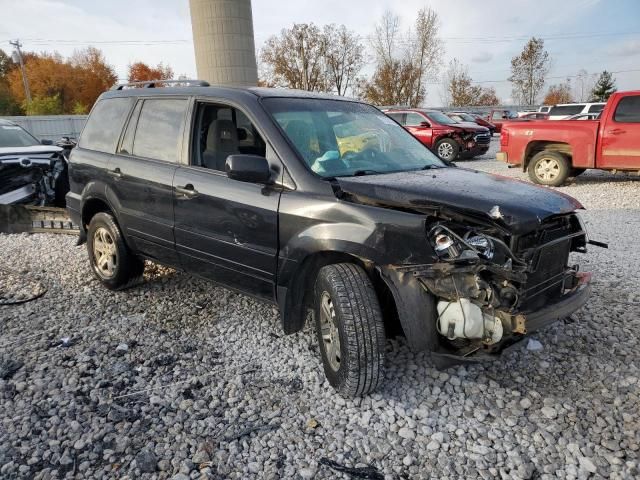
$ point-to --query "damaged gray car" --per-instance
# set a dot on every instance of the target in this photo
(31, 172)
(330, 210)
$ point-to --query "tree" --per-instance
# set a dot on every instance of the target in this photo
(426, 50)
(141, 72)
(583, 85)
(8, 105)
(604, 87)
(295, 58)
(488, 97)
(403, 67)
(344, 57)
(560, 93)
(460, 90)
(50, 105)
(76, 82)
(93, 76)
(528, 72)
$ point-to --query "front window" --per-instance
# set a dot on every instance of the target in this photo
(15, 136)
(466, 117)
(338, 138)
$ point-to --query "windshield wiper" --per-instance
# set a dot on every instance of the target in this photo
(359, 173)
(430, 167)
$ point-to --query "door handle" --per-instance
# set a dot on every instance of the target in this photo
(115, 173)
(616, 131)
(187, 191)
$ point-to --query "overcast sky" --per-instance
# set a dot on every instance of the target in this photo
(590, 34)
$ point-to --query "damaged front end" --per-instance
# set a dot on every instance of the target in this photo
(493, 287)
(38, 179)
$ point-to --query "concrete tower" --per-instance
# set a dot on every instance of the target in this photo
(223, 41)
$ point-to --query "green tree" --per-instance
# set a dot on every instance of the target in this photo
(528, 72)
(604, 87)
(40, 105)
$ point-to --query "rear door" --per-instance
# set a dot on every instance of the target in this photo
(142, 171)
(227, 230)
(620, 135)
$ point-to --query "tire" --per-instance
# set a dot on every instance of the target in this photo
(346, 309)
(447, 149)
(577, 171)
(111, 260)
(549, 168)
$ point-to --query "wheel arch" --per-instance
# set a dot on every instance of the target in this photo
(537, 146)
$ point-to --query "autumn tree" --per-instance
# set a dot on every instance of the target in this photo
(460, 90)
(141, 72)
(528, 72)
(560, 93)
(604, 87)
(343, 57)
(8, 105)
(294, 59)
(94, 76)
(62, 85)
(403, 67)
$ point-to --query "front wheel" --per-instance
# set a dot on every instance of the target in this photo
(447, 149)
(350, 329)
(111, 260)
(549, 168)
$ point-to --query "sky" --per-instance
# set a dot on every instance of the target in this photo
(579, 34)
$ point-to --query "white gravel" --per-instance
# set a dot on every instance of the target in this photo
(180, 379)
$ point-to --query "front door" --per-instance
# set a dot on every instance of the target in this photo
(142, 171)
(226, 230)
(419, 128)
(620, 138)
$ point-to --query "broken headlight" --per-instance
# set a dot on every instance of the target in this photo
(448, 245)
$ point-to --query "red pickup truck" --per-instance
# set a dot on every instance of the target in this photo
(553, 151)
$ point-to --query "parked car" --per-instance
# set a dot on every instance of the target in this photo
(553, 151)
(445, 137)
(532, 116)
(565, 110)
(463, 117)
(32, 172)
(499, 116)
(247, 187)
(585, 116)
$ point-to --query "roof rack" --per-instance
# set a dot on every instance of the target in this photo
(152, 84)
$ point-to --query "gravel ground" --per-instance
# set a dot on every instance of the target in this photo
(180, 379)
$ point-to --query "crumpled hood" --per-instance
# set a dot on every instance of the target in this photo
(26, 151)
(523, 206)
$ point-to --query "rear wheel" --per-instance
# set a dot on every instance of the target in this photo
(111, 260)
(350, 329)
(549, 168)
(447, 149)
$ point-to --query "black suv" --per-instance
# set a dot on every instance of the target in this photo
(325, 205)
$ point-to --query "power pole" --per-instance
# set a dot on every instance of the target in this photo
(25, 80)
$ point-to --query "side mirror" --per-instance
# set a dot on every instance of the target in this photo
(425, 124)
(248, 168)
(46, 141)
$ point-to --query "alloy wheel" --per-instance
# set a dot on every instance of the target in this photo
(105, 253)
(547, 169)
(329, 331)
(445, 150)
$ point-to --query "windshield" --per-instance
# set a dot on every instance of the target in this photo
(337, 138)
(15, 136)
(467, 117)
(439, 117)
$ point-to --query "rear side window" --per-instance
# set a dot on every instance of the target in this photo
(102, 131)
(566, 109)
(414, 120)
(397, 117)
(596, 108)
(628, 110)
(160, 127)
